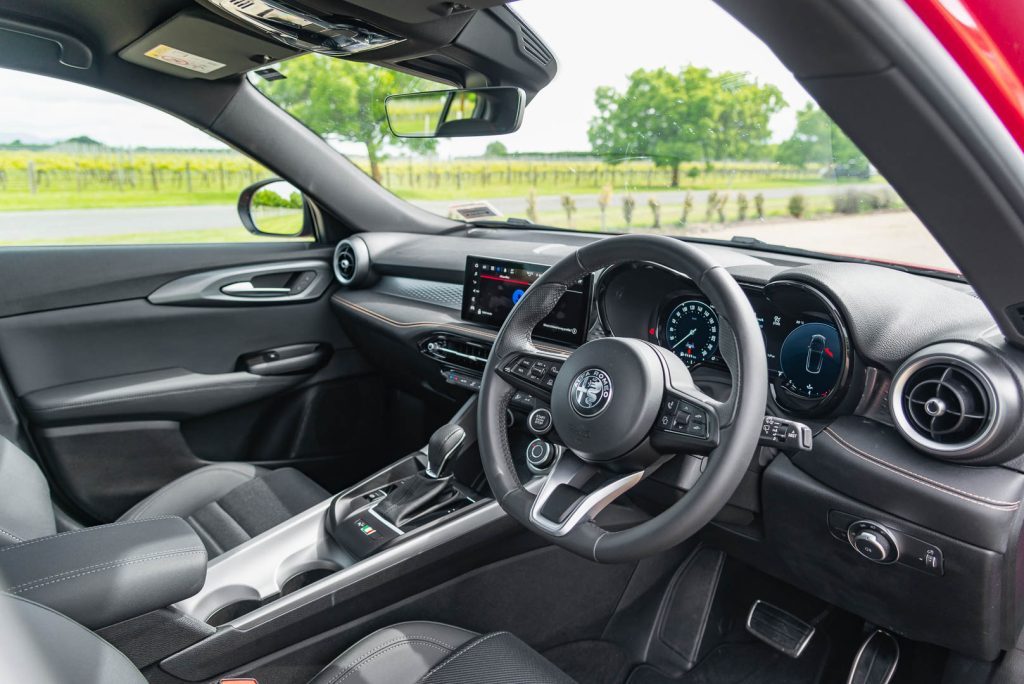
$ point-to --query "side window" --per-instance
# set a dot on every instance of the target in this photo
(82, 166)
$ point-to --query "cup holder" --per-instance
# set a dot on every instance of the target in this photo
(234, 610)
(305, 578)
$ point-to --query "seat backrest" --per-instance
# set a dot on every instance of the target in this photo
(25, 508)
(44, 647)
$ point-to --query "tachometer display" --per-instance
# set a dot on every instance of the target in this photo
(691, 332)
(811, 360)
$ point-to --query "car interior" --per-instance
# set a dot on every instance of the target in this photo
(409, 447)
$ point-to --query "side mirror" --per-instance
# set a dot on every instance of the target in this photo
(273, 208)
(456, 113)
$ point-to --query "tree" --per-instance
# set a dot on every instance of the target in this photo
(689, 115)
(818, 140)
(344, 100)
(496, 149)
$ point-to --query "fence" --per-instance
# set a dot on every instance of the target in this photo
(206, 172)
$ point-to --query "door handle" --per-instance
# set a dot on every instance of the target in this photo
(245, 288)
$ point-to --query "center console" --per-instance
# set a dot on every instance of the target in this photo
(381, 540)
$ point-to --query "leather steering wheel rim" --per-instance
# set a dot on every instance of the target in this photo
(728, 460)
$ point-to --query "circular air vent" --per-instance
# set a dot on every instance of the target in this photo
(945, 404)
(351, 262)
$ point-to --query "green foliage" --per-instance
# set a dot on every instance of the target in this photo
(709, 211)
(655, 206)
(797, 206)
(531, 205)
(343, 100)
(720, 207)
(269, 198)
(818, 140)
(759, 205)
(628, 205)
(569, 207)
(742, 206)
(860, 201)
(687, 208)
(496, 149)
(693, 114)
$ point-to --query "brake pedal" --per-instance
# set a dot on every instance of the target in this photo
(777, 628)
(876, 660)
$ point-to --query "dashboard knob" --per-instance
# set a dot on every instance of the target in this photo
(540, 455)
(873, 541)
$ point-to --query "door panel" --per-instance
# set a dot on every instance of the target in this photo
(122, 395)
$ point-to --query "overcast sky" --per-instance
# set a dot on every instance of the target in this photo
(597, 42)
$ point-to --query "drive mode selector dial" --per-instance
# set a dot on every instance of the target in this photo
(873, 541)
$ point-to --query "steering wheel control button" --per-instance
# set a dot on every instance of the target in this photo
(539, 422)
(540, 455)
(873, 541)
(785, 435)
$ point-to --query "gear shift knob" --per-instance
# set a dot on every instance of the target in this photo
(442, 445)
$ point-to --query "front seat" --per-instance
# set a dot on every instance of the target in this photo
(407, 653)
(226, 503)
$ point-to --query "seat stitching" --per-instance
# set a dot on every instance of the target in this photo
(11, 535)
(376, 653)
(85, 529)
(148, 556)
(972, 497)
(158, 495)
(404, 637)
(111, 567)
(463, 650)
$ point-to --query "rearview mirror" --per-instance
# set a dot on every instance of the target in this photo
(272, 208)
(456, 113)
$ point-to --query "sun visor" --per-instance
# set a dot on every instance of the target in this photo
(197, 44)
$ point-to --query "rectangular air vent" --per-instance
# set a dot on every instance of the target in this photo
(456, 351)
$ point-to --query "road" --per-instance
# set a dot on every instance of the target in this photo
(17, 226)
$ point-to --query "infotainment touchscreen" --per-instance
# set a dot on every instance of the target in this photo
(493, 286)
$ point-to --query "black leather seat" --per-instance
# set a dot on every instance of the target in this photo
(425, 652)
(226, 503)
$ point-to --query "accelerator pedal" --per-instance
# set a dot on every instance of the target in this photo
(781, 630)
(876, 660)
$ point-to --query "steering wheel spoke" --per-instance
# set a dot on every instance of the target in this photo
(687, 422)
(575, 491)
(531, 371)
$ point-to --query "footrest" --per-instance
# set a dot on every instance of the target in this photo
(777, 628)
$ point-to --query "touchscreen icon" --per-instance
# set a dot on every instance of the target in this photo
(517, 295)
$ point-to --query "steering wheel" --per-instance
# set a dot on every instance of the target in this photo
(622, 407)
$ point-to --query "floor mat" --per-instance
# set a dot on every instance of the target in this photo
(745, 663)
(591, 661)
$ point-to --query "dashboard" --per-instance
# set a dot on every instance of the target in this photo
(912, 394)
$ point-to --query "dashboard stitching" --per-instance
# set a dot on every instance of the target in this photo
(430, 324)
(921, 479)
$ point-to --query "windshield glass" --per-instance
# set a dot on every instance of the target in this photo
(684, 125)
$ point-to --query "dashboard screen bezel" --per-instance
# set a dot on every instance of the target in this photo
(572, 340)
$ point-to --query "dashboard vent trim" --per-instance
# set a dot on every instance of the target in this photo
(351, 262)
(944, 404)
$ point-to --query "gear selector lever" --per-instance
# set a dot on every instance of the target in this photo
(445, 441)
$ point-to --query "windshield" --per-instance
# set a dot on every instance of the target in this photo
(687, 125)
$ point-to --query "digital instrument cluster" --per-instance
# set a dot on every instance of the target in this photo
(806, 348)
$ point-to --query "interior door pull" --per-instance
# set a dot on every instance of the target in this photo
(245, 288)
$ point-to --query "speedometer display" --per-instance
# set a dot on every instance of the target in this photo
(691, 332)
